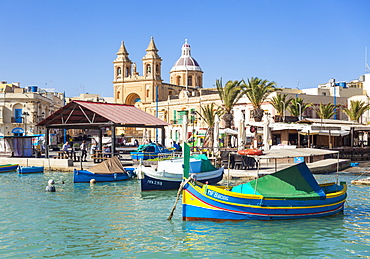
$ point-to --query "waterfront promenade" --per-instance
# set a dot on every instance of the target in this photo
(266, 166)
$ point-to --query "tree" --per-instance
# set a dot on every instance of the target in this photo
(297, 107)
(325, 111)
(229, 95)
(257, 90)
(356, 110)
(208, 114)
(280, 102)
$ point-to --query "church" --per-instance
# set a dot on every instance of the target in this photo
(168, 101)
(131, 87)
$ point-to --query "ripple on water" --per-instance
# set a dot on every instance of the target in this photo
(117, 220)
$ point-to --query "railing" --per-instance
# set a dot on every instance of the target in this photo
(16, 119)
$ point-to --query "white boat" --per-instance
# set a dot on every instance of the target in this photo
(169, 173)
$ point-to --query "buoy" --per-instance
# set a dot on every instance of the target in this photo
(92, 181)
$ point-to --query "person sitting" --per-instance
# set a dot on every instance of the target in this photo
(65, 149)
(107, 151)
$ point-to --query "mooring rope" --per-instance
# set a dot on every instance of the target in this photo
(183, 183)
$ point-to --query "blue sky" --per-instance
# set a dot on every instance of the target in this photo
(70, 45)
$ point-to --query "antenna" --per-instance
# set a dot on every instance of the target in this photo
(367, 68)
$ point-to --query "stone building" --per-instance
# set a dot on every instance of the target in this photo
(22, 108)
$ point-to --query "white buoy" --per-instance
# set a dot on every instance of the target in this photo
(92, 181)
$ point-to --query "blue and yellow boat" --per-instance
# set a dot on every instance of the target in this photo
(8, 168)
(291, 193)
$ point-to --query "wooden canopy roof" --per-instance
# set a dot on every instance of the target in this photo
(93, 115)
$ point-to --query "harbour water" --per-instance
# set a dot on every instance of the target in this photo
(116, 220)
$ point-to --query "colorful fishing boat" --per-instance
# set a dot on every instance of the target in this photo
(150, 151)
(291, 193)
(110, 170)
(30, 169)
(8, 168)
(169, 173)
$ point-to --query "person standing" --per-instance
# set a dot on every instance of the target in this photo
(65, 149)
(83, 148)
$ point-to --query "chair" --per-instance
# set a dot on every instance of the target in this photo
(225, 159)
(249, 162)
(238, 162)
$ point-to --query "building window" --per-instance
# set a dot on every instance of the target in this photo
(127, 72)
(118, 95)
(178, 80)
(18, 116)
(190, 81)
(118, 71)
(148, 68)
(147, 93)
(170, 93)
(157, 69)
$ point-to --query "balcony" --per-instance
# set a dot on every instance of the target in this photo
(16, 119)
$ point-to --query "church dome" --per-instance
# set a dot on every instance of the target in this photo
(186, 61)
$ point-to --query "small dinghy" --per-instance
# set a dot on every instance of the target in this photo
(110, 170)
(30, 169)
(8, 168)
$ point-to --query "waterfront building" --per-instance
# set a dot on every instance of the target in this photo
(22, 108)
(186, 94)
(90, 98)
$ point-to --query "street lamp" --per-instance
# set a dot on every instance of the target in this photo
(193, 114)
(283, 110)
(24, 115)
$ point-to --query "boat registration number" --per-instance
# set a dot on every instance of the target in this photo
(154, 182)
(217, 195)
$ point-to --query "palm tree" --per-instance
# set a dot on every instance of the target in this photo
(356, 110)
(297, 107)
(280, 102)
(229, 95)
(208, 114)
(257, 90)
(325, 111)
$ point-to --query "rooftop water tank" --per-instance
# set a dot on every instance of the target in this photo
(32, 89)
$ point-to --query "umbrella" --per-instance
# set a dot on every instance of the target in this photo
(241, 135)
(228, 131)
(266, 134)
(184, 133)
(216, 132)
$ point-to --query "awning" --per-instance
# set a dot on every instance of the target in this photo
(336, 133)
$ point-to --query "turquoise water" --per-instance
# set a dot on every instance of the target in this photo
(115, 220)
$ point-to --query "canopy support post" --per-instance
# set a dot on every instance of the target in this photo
(163, 136)
(100, 139)
(113, 148)
(47, 143)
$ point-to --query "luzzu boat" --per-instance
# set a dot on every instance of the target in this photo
(291, 193)
(168, 174)
(30, 169)
(110, 170)
(8, 168)
(150, 151)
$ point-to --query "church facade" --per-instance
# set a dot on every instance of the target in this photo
(169, 101)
